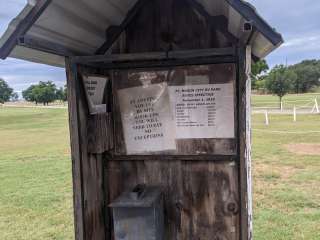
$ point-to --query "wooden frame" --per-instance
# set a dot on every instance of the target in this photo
(169, 59)
(120, 61)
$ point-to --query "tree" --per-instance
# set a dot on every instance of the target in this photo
(61, 94)
(44, 92)
(308, 75)
(5, 91)
(279, 81)
(28, 94)
(14, 97)
(258, 71)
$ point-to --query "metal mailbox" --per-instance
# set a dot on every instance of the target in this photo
(138, 214)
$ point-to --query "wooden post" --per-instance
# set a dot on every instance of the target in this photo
(87, 169)
(266, 117)
(294, 113)
(75, 151)
(245, 142)
(315, 106)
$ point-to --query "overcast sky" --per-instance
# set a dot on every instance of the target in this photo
(297, 20)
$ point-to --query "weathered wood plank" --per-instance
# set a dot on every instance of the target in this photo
(207, 157)
(210, 201)
(201, 196)
(88, 173)
(93, 197)
(149, 56)
(99, 133)
(75, 150)
(99, 127)
(245, 142)
(111, 39)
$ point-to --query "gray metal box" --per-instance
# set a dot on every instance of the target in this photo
(138, 215)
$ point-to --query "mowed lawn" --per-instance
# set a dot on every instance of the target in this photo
(286, 182)
(36, 188)
(35, 175)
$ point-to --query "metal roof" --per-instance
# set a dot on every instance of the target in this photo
(48, 30)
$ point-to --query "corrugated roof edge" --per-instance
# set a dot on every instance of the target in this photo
(33, 10)
(29, 15)
(248, 11)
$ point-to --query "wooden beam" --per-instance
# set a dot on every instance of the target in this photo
(76, 151)
(219, 22)
(182, 54)
(244, 93)
(165, 63)
(209, 157)
(202, 53)
(23, 27)
(114, 32)
(120, 57)
(45, 46)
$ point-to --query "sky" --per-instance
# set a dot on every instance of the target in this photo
(297, 20)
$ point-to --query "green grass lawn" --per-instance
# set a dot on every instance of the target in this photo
(286, 185)
(36, 189)
(35, 175)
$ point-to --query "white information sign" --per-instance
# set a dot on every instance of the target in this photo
(95, 87)
(147, 119)
(203, 111)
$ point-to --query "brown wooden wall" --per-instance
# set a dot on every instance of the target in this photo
(202, 197)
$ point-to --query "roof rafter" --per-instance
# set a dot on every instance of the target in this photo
(23, 27)
(113, 32)
(219, 22)
(45, 46)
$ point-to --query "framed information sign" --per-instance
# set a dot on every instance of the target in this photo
(178, 110)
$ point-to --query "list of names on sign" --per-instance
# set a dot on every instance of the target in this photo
(147, 119)
(203, 111)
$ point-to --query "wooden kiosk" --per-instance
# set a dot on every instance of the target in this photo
(164, 100)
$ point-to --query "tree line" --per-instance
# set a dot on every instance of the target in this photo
(43, 92)
(6, 92)
(281, 80)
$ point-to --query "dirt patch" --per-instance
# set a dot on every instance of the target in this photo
(304, 148)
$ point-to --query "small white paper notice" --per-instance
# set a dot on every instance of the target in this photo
(203, 111)
(95, 86)
(147, 119)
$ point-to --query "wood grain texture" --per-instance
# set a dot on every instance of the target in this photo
(88, 173)
(210, 201)
(201, 197)
(99, 132)
(75, 150)
(245, 141)
(99, 127)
